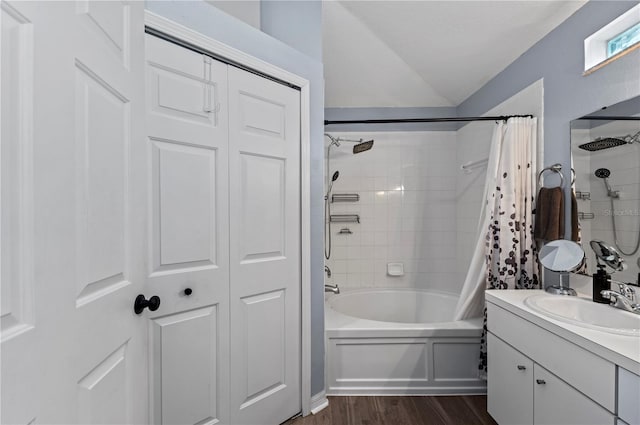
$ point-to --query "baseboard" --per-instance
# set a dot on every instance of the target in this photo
(318, 402)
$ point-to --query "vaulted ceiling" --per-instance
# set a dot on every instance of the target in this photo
(394, 53)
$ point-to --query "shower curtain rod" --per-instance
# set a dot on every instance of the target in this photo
(421, 120)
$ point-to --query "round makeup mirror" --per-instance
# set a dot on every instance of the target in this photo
(561, 256)
(608, 255)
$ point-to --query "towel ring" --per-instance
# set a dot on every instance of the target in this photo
(556, 168)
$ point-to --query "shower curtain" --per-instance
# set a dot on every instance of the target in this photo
(505, 255)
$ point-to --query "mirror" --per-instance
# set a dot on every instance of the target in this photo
(561, 256)
(605, 150)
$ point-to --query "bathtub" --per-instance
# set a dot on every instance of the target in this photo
(400, 341)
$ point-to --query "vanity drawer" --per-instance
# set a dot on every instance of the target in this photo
(590, 374)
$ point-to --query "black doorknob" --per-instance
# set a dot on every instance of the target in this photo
(141, 303)
(188, 291)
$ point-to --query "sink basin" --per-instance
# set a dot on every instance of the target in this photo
(585, 313)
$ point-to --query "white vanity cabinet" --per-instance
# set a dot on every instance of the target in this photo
(536, 377)
(521, 392)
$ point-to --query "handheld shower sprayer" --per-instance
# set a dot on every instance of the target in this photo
(604, 173)
(333, 179)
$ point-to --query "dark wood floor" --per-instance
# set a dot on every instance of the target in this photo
(458, 410)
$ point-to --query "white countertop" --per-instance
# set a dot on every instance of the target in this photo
(620, 349)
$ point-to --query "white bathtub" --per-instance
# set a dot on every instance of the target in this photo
(400, 341)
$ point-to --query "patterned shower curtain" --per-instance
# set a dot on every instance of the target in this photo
(506, 253)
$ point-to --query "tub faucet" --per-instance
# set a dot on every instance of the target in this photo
(332, 288)
(327, 270)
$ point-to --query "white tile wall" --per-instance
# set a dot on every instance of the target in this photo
(474, 141)
(407, 211)
(417, 206)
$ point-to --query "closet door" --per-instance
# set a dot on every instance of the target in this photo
(73, 351)
(188, 223)
(264, 158)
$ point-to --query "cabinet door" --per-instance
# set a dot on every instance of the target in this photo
(556, 402)
(509, 384)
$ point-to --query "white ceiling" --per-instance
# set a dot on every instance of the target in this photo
(395, 53)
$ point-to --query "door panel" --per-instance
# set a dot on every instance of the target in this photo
(264, 158)
(187, 139)
(103, 140)
(263, 190)
(186, 215)
(189, 393)
(100, 398)
(265, 330)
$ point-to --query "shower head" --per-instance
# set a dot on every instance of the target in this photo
(604, 173)
(363, 146)
(602, 143)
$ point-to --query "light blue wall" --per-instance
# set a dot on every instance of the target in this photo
(216, 24)
(297, 23)
(559, 60)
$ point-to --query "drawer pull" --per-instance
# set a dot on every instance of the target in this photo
(520, 367)
(540, 381)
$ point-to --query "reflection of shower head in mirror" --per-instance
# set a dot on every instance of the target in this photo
(608, 255)
(604, 173)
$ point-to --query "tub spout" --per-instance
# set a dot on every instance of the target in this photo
(332, 288)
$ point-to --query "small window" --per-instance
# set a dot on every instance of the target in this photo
(611, 42)
(623, 40)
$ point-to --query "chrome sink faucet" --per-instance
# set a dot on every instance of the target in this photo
(624, 300)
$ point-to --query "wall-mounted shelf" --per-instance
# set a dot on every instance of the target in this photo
(584, 196)
(344, 218)
(345, 197)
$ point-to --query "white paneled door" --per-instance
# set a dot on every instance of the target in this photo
(73, 251)
(264, 158)
(187, 129)
(224, 148)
